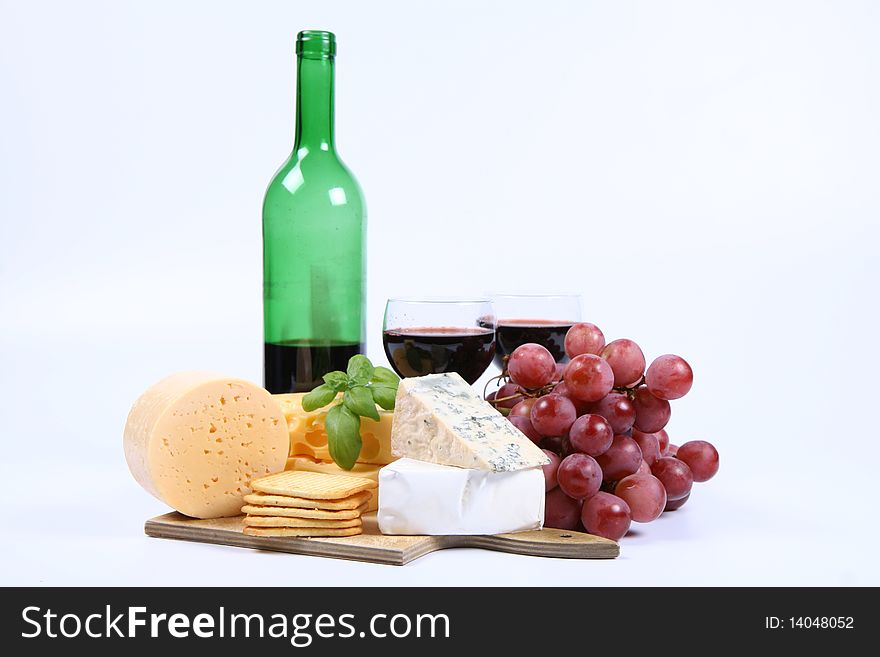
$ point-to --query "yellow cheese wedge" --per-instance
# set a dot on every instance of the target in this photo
(368, 470)
(195, 440)
(308, 438)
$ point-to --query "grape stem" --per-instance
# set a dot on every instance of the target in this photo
(503, 378)
(629, 391)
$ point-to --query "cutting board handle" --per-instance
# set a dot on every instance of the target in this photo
(544, 543)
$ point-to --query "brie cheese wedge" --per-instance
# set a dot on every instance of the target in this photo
(419, 498)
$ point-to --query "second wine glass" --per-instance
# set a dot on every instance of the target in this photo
(540, 318)
(423, 336)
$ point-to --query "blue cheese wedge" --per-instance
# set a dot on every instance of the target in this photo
(439, 418)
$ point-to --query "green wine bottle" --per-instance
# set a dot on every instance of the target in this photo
(314, 229)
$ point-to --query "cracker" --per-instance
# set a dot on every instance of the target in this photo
(268, 521)
(288, 512)
(312, 485)
(303, 532)
(266, 499)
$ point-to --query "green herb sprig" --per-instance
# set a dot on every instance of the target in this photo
(363, 386)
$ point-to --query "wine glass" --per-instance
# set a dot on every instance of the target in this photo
(540, 318)
(425, 336)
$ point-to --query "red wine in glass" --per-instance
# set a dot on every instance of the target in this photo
(416, 351)
(511, 333)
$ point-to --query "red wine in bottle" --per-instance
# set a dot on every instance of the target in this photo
(435, 350)
(300, 367)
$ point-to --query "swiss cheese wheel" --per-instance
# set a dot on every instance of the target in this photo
(195, 440)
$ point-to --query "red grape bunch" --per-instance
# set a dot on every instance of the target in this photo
(600, 418)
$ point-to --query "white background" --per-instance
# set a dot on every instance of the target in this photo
(704, 173)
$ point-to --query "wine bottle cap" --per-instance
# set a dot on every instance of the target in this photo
(316, 44)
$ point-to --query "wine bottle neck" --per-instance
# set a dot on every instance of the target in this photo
(314, 103)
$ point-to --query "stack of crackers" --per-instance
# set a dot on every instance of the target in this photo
(296, 503)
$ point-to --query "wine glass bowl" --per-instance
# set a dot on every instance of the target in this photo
(540, 318)
(424, 336)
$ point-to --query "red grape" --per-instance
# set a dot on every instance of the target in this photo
(672, 505)
(554, 444)
(523, 408)
(701, 457)
(644, 494)
(588, 377)
(669, 377)
(490, 397)
(663, 439)
(583, 338)
(579, 476)
(560, 510)
(531, 365)
(508, 390)
(675, 476)
(652, 413)
(550, 469)
(591, 434)
(567, 449)
(553, 415)
(524, 424)
(626, 360)
(649, 445)
(580, 406)
(672, 450)
(606, 515)
(644, 468)
(617, 409)
(560, 371)
(621, 459)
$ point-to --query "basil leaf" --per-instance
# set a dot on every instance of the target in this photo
(318, 398)
(384, 396)
(385, 376)
(343, 436)
(360, 370)
(360, 402)
(336, 380)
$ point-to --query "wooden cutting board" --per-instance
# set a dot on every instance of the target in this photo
(374, 547)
